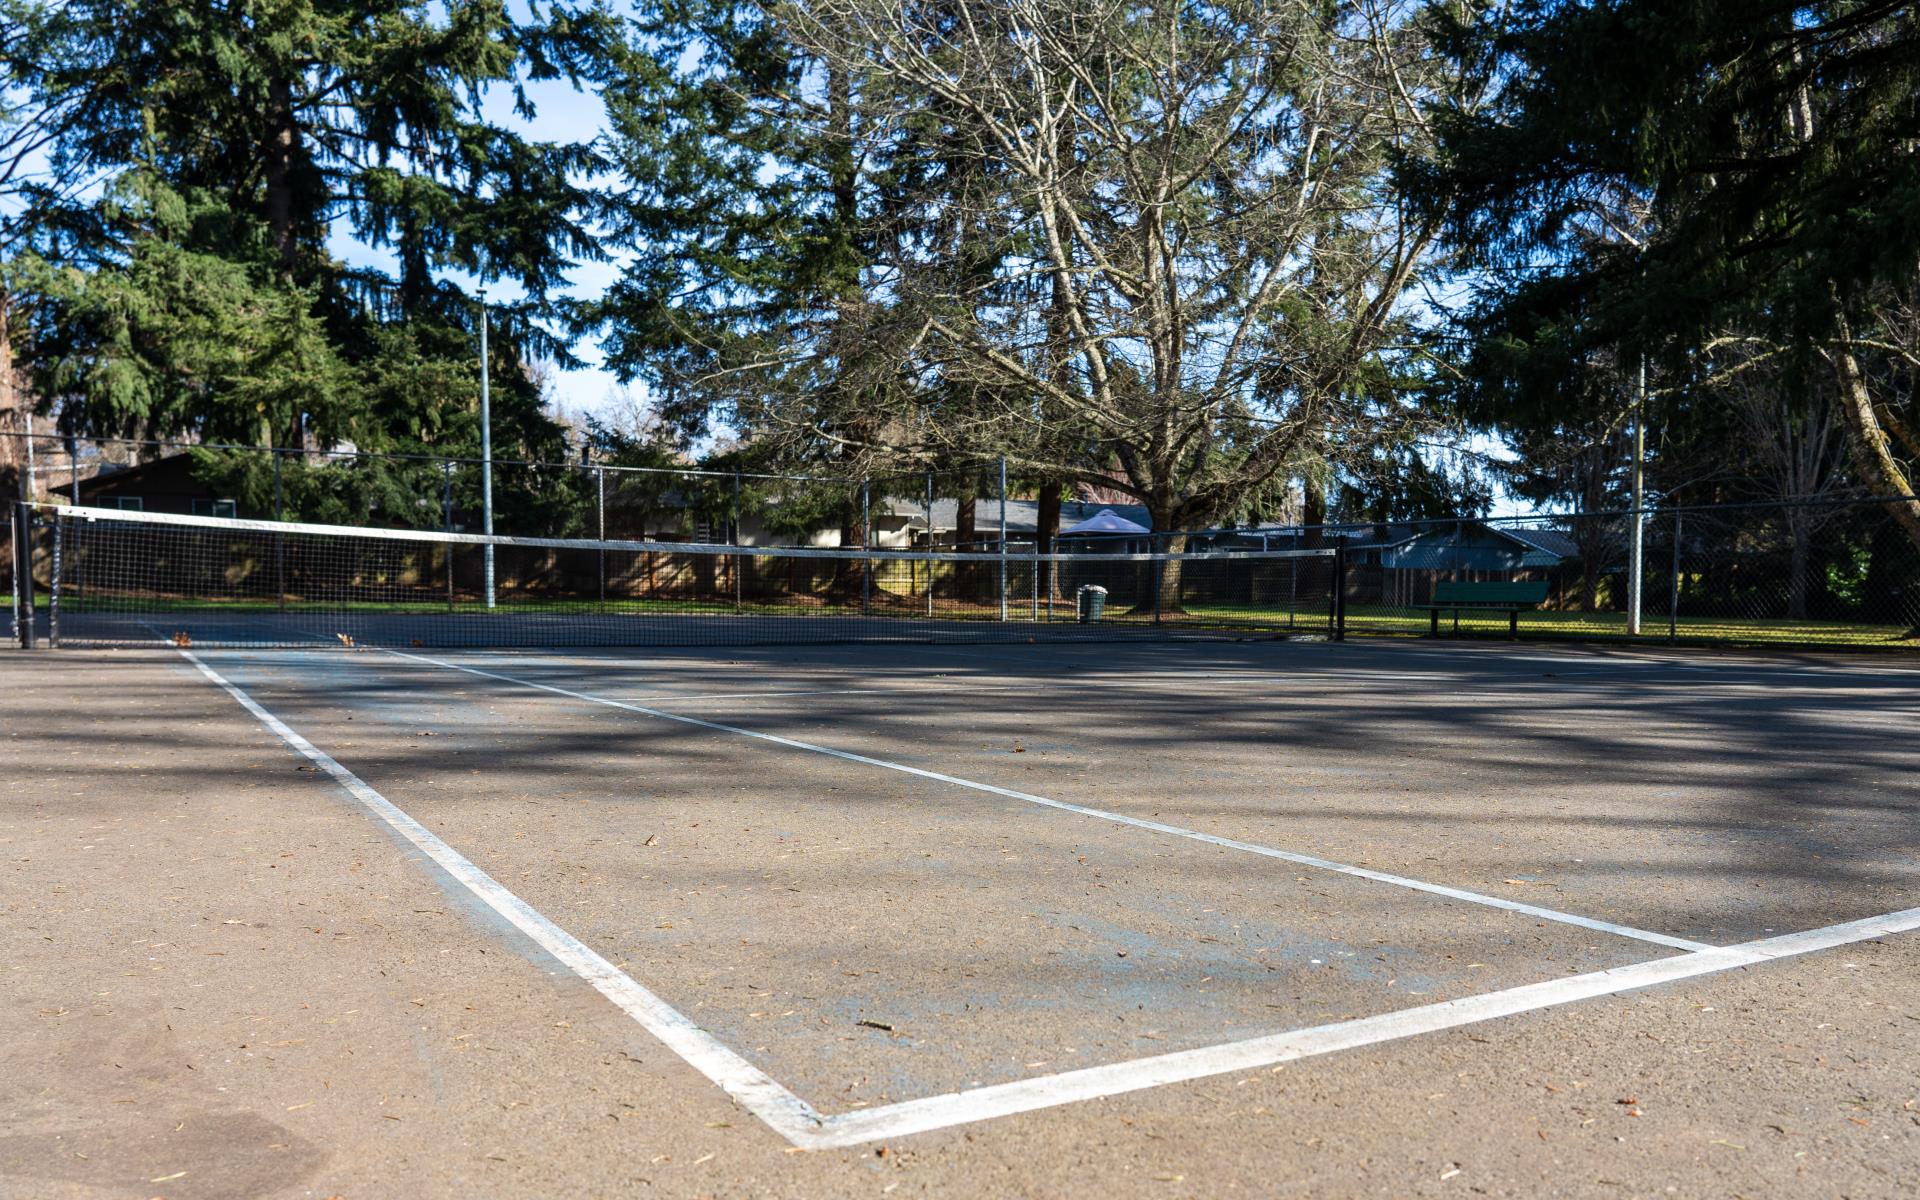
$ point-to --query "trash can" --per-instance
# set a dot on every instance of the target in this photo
(1091, 603)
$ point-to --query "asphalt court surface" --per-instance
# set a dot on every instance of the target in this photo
(781, 898)
(872, 932)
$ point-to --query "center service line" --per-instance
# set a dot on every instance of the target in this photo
(1304, 860)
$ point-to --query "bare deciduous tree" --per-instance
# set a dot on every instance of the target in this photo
(1186, 273)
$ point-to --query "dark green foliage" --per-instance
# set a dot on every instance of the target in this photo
(1771, 144)
(197, 296)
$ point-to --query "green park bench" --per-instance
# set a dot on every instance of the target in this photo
(1510, 598)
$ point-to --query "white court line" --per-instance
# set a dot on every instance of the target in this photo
(787, 1114)
(1304, 860)
(805, 1127)
(979, 1104)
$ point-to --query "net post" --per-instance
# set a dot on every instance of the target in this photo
(1338, 609)
(600, 523)
(866, 543)
(1003, 537)
(22, 551)
(53, 589)
(739, 560)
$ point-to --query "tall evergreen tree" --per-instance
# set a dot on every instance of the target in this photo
(197, 295)
(1773, 145)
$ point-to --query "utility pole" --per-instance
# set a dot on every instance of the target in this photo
(1636, 544)
(486, 449)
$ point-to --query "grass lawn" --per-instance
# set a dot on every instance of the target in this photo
(1361, 619)
(1754, 630)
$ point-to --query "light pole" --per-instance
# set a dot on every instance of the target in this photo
(1635, 558)
(486, 450)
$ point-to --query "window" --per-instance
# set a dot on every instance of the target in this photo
(123, 503)
(215, 508)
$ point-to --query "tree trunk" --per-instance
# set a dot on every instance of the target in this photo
(283, 136)
(1313, 514)
(1589, 578)
(1046, 531)
(965, 576)
(1166, 603)
(12, 454)
(1802, 538)
(1872, 457)
(850, 574)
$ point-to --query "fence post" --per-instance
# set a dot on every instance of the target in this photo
(739, 560)
(931, 564)
(600, 523)
(1337, 614)
(73, 467)
(866, 543)
(1673, 598)
(53, 589)
(1003, 537)
(446, 518)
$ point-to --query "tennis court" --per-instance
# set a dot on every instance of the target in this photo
(1186, 916)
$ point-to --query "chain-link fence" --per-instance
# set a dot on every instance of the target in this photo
(1830, 572)
(1838, 572)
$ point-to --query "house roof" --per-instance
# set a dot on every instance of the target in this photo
(1548, 541)
(1023, 516)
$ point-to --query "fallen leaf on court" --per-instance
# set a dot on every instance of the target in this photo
(346, 639)
(1725, 1142)
(1449, 1173)
(653, 839)
(164, 1178)
(181, 639)
(1163, 1178)
(701, 1159)
(875, 1025)
(719, 1125)
(1628, 1100)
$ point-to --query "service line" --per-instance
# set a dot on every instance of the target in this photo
(1005, 1099)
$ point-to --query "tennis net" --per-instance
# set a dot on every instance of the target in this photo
(121, 578)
